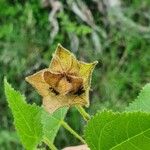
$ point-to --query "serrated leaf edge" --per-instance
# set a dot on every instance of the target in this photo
(132, 103)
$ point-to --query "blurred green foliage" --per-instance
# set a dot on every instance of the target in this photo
(118, 37)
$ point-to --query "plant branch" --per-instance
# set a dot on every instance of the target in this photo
(67, 127)
(84, 114)
(49, 143)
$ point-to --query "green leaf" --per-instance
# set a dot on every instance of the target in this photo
(51, 123)
(32, 123)
(27, 118)
(118, 131)
(142, 103)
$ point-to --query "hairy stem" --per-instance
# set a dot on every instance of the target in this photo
(66, 126)
(84, 114)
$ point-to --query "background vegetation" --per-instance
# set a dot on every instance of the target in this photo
(114, 32)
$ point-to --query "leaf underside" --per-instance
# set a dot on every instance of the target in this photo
(118, 131)
(51, 123)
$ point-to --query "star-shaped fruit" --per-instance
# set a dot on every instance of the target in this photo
(65, 83)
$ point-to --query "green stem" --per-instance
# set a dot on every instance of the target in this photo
(49, 143)
(66, 126)
(84, 114)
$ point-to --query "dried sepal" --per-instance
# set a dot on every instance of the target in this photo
(38, 82)
(65, 83)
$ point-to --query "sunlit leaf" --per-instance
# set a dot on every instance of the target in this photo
(26, 118)
(118, 131)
